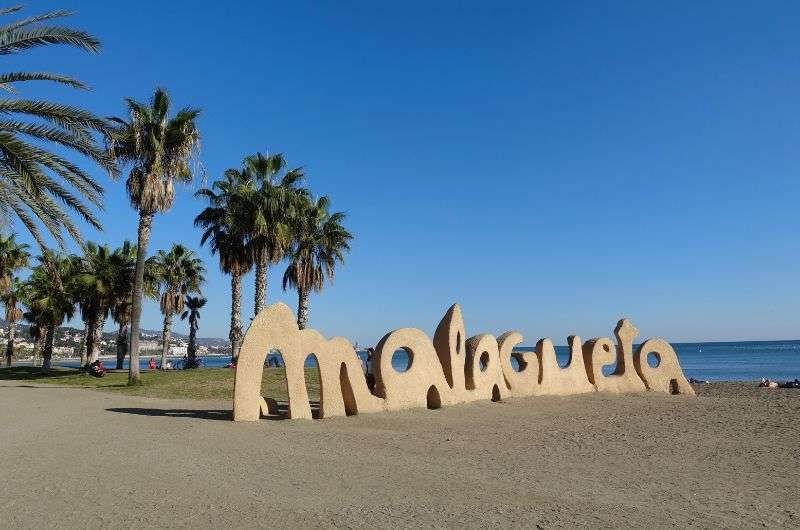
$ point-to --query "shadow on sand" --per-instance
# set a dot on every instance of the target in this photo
(282, 412)
(176, 413)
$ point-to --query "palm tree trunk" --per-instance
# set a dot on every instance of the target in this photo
(47, 354)
(122, 344)
(145, 223)
(84, 348)
(37, 349)
(235, 333)
(302, 308)
(262, 263)
(165, 336)
(192, 350)
(91, 336)
(94, 353)
(10, 345)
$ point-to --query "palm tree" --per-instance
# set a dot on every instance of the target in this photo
(176, 273)
(48, 299)
(193, 306)
(224, 231)
(121, 313)
(12, 297)
(93, 288)
(159, 150)
(36, 180)
(103, 285)
(124, 261)
(13, 257)
(320, 243)
(265, 210)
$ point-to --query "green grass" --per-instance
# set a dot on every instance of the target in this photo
(202, 383)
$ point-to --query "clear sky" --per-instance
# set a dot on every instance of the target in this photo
(552, 166)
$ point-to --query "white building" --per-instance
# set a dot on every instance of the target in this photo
(178, 350)
(63, 350)
(149, 345)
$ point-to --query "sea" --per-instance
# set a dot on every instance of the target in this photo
(712, 361)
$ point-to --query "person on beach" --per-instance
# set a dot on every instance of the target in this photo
(766, 383)
(370, 369)
(97, 369)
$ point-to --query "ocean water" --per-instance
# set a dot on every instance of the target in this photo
(727, 361)
(713, 361)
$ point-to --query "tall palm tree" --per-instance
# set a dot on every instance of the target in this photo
(35, 179)
(224, 230)
(159, 149)
(265, 210)
(176, 273)
(320, 243)
(193, 306)
(49, 299)
(12, 297)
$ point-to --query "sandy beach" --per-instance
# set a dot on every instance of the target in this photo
(728, 458)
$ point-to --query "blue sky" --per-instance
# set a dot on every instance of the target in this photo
(552, 166)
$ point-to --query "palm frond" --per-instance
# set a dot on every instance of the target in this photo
(62, 115)
(19, 39)
(61, 13)
(12, 9)
(19, 77)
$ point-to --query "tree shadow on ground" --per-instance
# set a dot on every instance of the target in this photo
(176, 413)
(30, 373)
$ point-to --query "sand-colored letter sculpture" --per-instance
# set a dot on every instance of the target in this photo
(450, 369)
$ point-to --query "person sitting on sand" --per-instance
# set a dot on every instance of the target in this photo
(766, 383)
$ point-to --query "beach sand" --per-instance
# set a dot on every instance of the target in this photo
(729, 458)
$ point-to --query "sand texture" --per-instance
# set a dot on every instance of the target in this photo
(729, 458)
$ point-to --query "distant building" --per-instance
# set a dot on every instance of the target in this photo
(64, 350)
(149, 345)
(178, 350)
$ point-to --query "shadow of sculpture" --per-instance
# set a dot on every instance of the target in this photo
(175, 413)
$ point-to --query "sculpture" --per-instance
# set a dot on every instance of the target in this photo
(450, 369)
